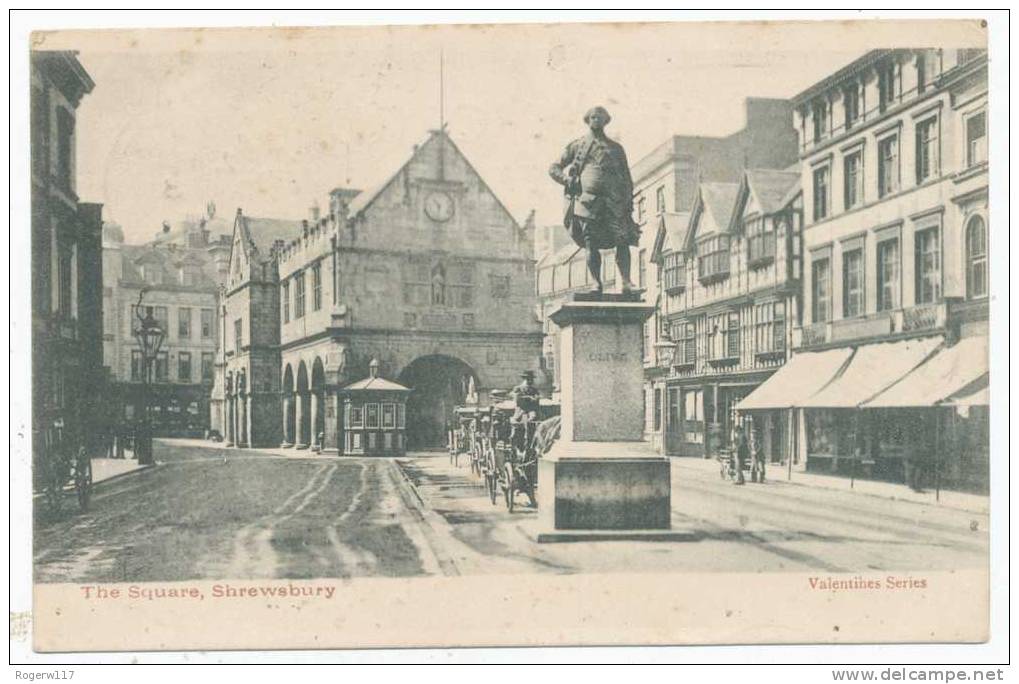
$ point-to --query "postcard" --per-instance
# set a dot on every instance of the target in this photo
(509, 335)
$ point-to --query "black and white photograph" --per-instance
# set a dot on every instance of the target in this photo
(446, 325)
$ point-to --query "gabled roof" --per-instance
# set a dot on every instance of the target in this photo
(720, 200)
(771, 189)
(671, 235)
(365, 199)
(263, 232)
(717, 200)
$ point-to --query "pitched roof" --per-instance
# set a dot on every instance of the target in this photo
(720, 200)
(365, 199)
(671, 235)
(717, 199)
(676, 224)
(771, 187)
(180, 231)
(263, 232)
(376, 384)
(168, 259)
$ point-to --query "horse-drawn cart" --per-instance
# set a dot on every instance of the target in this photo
(61, 463)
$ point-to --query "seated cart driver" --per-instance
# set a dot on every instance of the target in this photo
(527, 399)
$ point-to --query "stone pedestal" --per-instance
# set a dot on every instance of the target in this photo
(601, 480)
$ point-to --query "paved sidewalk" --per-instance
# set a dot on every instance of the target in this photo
(289, 452)
(107, 468)
(962, 501)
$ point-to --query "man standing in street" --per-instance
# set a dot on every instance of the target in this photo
(527, 400)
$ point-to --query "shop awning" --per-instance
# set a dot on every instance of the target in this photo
(949, 372)
(977, 394)
(873, 368)
(802, 376)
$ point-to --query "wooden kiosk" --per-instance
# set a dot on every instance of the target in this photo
(374, 416)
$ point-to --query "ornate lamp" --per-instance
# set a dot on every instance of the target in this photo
(150, 336)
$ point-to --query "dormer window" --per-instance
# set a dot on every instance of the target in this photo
(189, 275)
(152, 274)
(820, 114)
(851, 104)
(887, 86)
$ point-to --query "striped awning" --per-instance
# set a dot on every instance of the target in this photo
(953, 370)
(873, 369)
(803, 375)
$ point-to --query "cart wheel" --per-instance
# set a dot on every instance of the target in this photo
(83, 479)
(510, 486)
(493, 486)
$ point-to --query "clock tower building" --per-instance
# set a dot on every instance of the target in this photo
(427, 273)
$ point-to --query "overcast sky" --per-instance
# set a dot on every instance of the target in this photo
(272, 121)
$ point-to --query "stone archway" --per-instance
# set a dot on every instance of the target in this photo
(317, 391)
(438, 383)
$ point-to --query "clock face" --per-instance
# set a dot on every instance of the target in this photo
(439, 206)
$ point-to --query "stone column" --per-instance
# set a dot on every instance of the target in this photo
(288, 439)
(300, 439)
(313, 423)
(242, 420)
(601, 479)
(229, 425)
(249, 423)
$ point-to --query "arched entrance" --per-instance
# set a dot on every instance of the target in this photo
(318, 403)
(439, 383)
(302, 419)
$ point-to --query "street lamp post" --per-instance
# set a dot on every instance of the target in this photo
(149, 334)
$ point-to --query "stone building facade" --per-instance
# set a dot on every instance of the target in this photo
(428, 273)
(180, 272)
(893, 152)
(246, 392)
(68, 381)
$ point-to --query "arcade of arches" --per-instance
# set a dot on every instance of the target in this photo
(310, 408)
(304, 402)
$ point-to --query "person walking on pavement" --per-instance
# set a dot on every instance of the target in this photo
(742, 455)
(757, 458)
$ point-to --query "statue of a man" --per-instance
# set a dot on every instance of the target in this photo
(599, 190)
